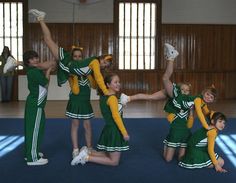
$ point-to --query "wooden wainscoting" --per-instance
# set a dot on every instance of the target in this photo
(207, 54)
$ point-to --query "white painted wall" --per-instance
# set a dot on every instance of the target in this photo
(173, 11)
(54, 92)
(61, 11)
(199, 11)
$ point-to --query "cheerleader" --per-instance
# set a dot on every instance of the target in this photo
(114, 137)
(89, 66)
(200, 150)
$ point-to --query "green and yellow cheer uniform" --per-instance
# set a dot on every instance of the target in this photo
(202, 110)
(79, 105)
(200, 150)
(85, 67)
(111, 138)
(178, 109)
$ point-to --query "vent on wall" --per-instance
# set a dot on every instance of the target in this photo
(82, 2)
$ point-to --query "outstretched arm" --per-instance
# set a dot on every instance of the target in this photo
(45, 65)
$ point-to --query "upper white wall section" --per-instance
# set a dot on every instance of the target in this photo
(61, 11)
(199, 11)
(173, 11)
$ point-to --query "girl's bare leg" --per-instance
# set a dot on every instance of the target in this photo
(40, 15)
(48, 39)
(88, 133)
(74, 133)
(160, 95)
(169, 153)
(98, 153)
(168, 85)
(181, 153)
(111, 159)
(170, 55)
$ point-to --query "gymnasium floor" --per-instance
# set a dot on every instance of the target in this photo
(142, 163)
(136, 109)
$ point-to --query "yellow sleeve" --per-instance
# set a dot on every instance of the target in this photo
(206, 110)
(170, 117)
(74, 84)
(92, 81)
(113, 104)
(211, 114)
(198, 109)
(95, 66)
(211, 136)
(190, 121)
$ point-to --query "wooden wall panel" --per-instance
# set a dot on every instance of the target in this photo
(96, 39)
(207, 54)
(203, 47)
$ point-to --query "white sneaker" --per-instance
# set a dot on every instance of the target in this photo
(40, 155)
(39, 15)
(81, 158)
(75, 153)
(124, 99)
(10, 65)
(41, 161)
(170, 52)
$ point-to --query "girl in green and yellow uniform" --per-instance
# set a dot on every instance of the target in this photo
(79, 106)
(114, 136)
(200, 150)
(178, 109)
(89, 66)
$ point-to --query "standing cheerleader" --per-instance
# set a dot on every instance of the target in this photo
(79, 107)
